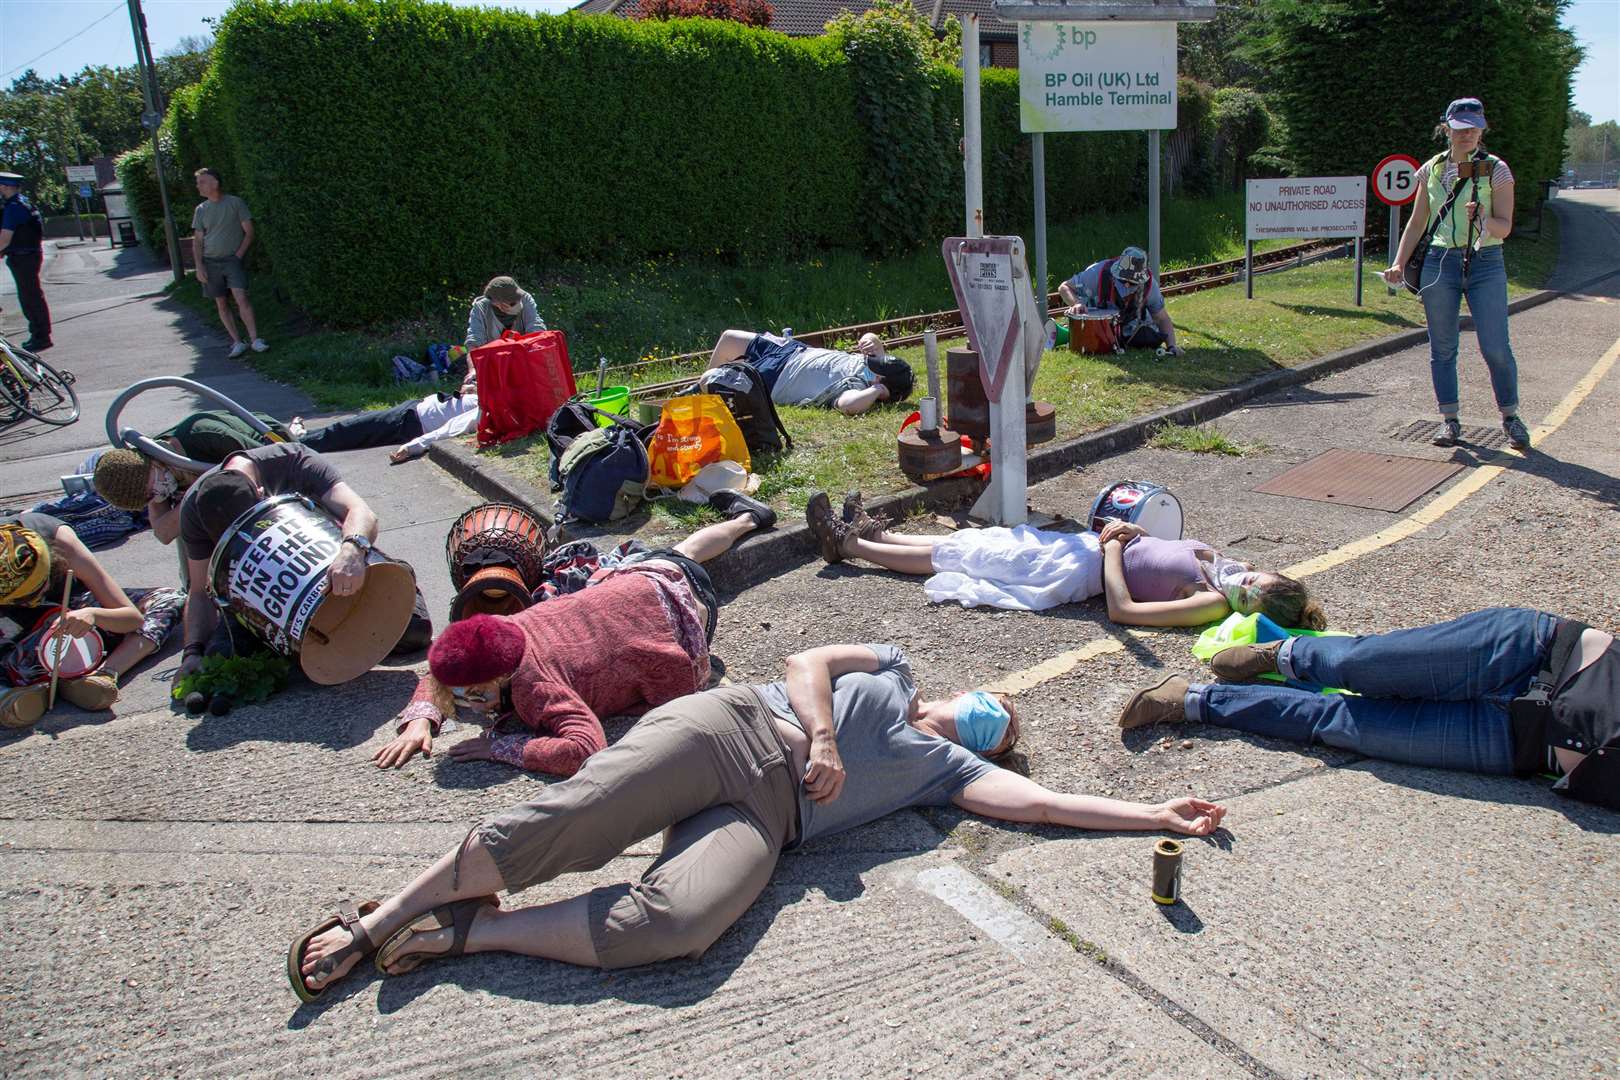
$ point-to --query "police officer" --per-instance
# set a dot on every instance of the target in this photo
(22, 240)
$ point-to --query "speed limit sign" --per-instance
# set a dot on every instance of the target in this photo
(1395, 179)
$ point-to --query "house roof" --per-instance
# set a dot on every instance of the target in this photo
(807, 18)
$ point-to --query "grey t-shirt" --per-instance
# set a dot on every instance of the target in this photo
(221, 225)
(818, 376)
(888, 764)
(286, 468)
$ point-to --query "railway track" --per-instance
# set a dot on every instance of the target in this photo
(908, 329)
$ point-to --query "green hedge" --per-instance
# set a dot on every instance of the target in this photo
(139, 178)
(1353, 82)
(396, 154)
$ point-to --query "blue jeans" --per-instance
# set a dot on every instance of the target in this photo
(1443, 288)
(1433, 695)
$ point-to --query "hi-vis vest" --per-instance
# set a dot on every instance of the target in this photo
(1453, 232)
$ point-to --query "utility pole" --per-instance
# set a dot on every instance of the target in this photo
(151, 119)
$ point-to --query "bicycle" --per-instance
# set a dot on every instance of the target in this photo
(31, 387)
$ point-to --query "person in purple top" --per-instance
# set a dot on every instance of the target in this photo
(1146, 581)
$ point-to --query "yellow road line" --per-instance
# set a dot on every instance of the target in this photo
(1065, 662)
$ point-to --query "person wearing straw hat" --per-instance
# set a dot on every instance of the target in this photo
(41, 561)
(503, 306)
(731, 778)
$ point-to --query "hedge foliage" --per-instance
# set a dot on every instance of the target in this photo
(396, 152)
(1357, 79)
(139, 178)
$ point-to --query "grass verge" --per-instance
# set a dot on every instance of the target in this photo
(1200, 439)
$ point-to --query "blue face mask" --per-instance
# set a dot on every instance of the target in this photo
(981, 721)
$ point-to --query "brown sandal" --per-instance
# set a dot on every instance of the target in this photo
(457, 916)
(348, 916)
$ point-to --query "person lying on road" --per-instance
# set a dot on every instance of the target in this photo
(1146, 581)
(735, 775)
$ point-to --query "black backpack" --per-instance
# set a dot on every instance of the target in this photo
(576, 417)
(604, 474)
(742, 388)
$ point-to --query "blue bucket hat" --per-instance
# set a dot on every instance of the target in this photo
(1131, 267)
(1465, 112)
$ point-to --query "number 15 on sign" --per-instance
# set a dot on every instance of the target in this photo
(1395, 182)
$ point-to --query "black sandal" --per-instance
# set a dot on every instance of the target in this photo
(731, 502)
(348, 916)
(458, 916)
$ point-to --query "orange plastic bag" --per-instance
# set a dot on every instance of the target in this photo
(694, 430)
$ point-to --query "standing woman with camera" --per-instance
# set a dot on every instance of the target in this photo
(1464, 209)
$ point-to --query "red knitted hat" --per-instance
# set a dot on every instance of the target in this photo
(475, 651)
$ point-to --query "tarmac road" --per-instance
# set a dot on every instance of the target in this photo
(1359, 919)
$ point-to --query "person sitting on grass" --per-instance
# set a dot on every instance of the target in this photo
(1124, 285)
(503, 306)
(539, 680)
(796, 374)
(731, 777)
(1437, 696)
(36, 553)
(1145, 581)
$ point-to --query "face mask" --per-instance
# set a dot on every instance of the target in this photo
(981, 721)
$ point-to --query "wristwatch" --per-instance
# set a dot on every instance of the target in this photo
(360, 542)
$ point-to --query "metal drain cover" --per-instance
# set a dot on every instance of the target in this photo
(1482, 438)
(1354, 478)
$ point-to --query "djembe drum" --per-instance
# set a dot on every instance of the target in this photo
(495, 553)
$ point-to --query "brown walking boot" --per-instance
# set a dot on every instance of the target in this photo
(829, 532)
(1245, 663)
(1163, 703)
(865, 525)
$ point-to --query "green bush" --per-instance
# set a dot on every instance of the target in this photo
(139, 178)
(1356, 81)
(1242, 125)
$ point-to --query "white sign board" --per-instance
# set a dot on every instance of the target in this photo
(81, 174)
(1108, 76)
(987, 274)
(116, 208)
(1308, 208)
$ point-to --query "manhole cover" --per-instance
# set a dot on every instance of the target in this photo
(1353, 478)
(1482, 438)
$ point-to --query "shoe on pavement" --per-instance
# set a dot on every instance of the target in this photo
(1163, 703)
(92, 692)
(297, 429)
(1450, 433)
(35, 345)
(1241, 663)
(731, 502)
(1518, 435)
(238, 348)
(865, 525)
(260, 345)
(22, 706)
(829, 532)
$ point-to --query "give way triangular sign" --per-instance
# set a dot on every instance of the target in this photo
(986, 273)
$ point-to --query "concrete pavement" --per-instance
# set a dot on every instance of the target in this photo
(1359, 918)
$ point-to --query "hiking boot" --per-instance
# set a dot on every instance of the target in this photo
(1450, 433)
(1163, 703)
(35, 344)
(829, 532)
(731, 503)
(91, 692)
(865, 525)
(22, 706)
(260, 345)
(1242, 663)
(238, 348)
(1518, 435)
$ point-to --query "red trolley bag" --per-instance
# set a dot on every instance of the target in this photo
(522, 380)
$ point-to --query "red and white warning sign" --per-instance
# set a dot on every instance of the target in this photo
(986, 275)
(1395, 180)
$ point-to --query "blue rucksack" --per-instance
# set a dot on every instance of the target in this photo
(604, 474)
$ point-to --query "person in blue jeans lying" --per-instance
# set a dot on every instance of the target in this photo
(1504, 690)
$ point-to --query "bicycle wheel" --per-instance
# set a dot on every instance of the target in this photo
(37, 389)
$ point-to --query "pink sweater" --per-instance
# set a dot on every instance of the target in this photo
(604, 651)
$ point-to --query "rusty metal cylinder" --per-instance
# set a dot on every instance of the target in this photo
(967, 407)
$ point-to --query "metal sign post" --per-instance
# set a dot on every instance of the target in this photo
(972, 149)
(990, 276)
(1395, 183)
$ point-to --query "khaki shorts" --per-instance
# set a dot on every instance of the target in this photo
(223, 275)
(710, 772)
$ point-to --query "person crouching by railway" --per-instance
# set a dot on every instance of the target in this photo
(796, 374)
(1127, 286)
(635, 635)
(234, 487)
(731, 777)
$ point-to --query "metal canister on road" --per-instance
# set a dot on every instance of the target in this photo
(1167, 871)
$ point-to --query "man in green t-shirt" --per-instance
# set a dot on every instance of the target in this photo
(221, 233)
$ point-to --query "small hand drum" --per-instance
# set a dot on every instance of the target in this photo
(1139, 503)
(79, 655)
(495, 553)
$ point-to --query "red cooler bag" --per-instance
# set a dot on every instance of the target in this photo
(522, 380)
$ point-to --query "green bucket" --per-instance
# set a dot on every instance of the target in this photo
(613, 399)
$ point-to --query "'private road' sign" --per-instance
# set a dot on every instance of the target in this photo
(1105, 76)
(1309, 208)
